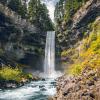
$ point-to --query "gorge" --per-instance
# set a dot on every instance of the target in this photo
(49, 49)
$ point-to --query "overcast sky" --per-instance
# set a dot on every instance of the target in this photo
(51, 7)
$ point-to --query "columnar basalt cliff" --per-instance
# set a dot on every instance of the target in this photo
(20, 41)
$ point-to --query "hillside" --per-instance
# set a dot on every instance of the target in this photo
(78, 36)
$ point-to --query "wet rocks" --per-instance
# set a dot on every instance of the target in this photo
(11, 84)
(36, 78)
(42, 86)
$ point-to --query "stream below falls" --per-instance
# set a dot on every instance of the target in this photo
(36, 90)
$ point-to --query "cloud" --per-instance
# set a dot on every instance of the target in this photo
(51, 7)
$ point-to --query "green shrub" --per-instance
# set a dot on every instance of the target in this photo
(95, 45)
(76, 69)
(8, 73)
(93, 36)
(29, 76)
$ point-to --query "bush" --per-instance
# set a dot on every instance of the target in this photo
(75, 69)
(8, 73)
(95, 46)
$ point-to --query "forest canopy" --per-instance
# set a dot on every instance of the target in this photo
(34, 11)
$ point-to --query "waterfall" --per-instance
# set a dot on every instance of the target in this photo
(49, 62)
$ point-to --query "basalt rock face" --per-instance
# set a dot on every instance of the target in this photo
(20, 41)
(70, 31)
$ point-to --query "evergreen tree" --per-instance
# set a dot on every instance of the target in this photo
(44, 18)
(38, 14)
(23, 9)
(32, 8)
(17, 6)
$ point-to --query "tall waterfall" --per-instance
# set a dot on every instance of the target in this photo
(49, 62)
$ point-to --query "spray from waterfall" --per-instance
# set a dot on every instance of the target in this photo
(49, 62)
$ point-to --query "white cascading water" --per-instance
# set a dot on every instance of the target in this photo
(49, 62)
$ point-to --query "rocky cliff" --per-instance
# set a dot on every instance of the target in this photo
(79, 42)
(20, 41)
(70, 29)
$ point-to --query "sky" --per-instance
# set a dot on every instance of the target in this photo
(51, 7)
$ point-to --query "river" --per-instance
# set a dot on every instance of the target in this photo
(36, 90)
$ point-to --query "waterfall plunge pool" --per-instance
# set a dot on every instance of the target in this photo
(36, 90)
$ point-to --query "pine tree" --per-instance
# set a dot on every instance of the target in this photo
(17, 6)
(38, 14)
(23, 9)
(32, 8)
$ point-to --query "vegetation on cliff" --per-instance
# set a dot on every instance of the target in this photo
(86, 51)
(78, 35)
(38, 14)
(70, 25)
(18, 6)
(89, 51)
(32, 10)
(65, 9)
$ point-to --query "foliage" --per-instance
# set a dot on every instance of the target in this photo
(66, 8)
(29, 76)
(64, 53)
(75, 69)
(34, 11)
(67, 52)
(38, 14)
(8, 73)
(17, 6)
(89, 53)
(16, 74)
(71, 6)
